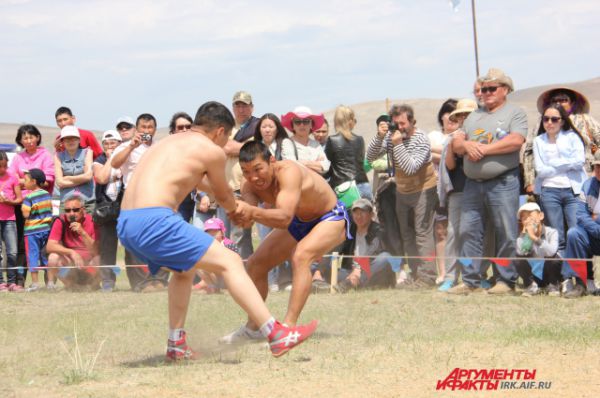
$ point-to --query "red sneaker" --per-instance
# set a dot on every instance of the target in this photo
(179, 350)
(284, 338)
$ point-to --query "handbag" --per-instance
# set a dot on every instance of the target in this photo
(108, 211)
(347, 192)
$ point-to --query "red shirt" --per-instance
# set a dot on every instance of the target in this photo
(87, 139)
(70, 239)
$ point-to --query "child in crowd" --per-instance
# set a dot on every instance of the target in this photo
(10, 196)
(209, 282)
(37, 212)
(537, 241)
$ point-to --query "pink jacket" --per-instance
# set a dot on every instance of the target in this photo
(41, 159)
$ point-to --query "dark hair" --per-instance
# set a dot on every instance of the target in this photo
(397, 110)
(279, 137)
(252, 149)
(63, 110)
(28, 129)
(567, 125)
(145, 117)
(447, 107)
(213, 114)
(3, 156)
(177, 116)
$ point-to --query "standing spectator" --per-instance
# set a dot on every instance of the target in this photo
(451, 183)
(64, 117)
(126, 158)
(73, 242)
(346, 152)
(416, 196)
(245, 127)
(437, 140)
(577, 107)
(301, 122)
(181, 122)
(478, 94)
(320, 135)
(491, 145)
(559, 159)
(73, 168)
(381, 166)
(583, 240)
(109, 184)
(10, 196)
(537, 240)
(37, 211)
(34, 156)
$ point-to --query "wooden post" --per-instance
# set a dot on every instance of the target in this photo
(335, 265)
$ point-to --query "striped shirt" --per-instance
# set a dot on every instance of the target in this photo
(39, 204)
(412, 154)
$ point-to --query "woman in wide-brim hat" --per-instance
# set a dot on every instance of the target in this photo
(301, 122)
(577, 107)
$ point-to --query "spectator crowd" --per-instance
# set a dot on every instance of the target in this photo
(485, 204)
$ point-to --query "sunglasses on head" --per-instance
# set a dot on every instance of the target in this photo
(183, 127)
(489, 89)
(73, 210)
(553, 119)
(302, 121)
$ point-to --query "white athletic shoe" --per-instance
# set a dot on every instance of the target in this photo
(243, 335)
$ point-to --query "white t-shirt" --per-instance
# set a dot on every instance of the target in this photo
(559, 180)
(132, 161)
(313, 152)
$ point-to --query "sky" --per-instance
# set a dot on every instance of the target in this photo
(105, 59)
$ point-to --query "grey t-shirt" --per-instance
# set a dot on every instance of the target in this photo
(485, 127)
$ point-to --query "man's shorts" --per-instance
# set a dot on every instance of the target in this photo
(299, 229)
(160, 237)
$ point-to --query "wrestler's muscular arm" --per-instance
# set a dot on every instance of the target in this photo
(215, 176)
(286, 203)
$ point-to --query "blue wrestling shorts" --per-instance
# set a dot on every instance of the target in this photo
(160, 237)
(299, 229)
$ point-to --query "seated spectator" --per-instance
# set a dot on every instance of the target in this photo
(37, 212)
(559, 160)
(366, 243)
(73, 242)
(583, 240)
(73, 169)
(537, 240)
(301, 122)
(209, 282)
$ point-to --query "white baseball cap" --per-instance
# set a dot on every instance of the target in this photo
(529, 206)
(111, 135)
(69, 131)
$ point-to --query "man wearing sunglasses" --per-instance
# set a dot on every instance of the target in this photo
(72, 243)
(491, 143)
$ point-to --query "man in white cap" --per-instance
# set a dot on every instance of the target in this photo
(245, 125)
(491, 145)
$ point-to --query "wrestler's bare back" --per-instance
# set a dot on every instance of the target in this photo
(171, 169)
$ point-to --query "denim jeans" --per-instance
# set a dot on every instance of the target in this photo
(8, 234)
(501, 196)
(559, 204)
(580, 245)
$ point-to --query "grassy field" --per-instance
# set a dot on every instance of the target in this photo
(385, 343)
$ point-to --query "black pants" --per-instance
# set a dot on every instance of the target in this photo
(551, 273)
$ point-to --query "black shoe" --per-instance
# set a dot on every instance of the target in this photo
(344, 286)
(320, 286)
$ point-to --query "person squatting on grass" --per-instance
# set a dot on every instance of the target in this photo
(73, 241)
(307, 218)
(151, 228)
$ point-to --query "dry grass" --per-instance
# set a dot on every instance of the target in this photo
(369, 344)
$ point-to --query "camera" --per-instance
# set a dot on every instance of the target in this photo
(146, 137)
(392, 127)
